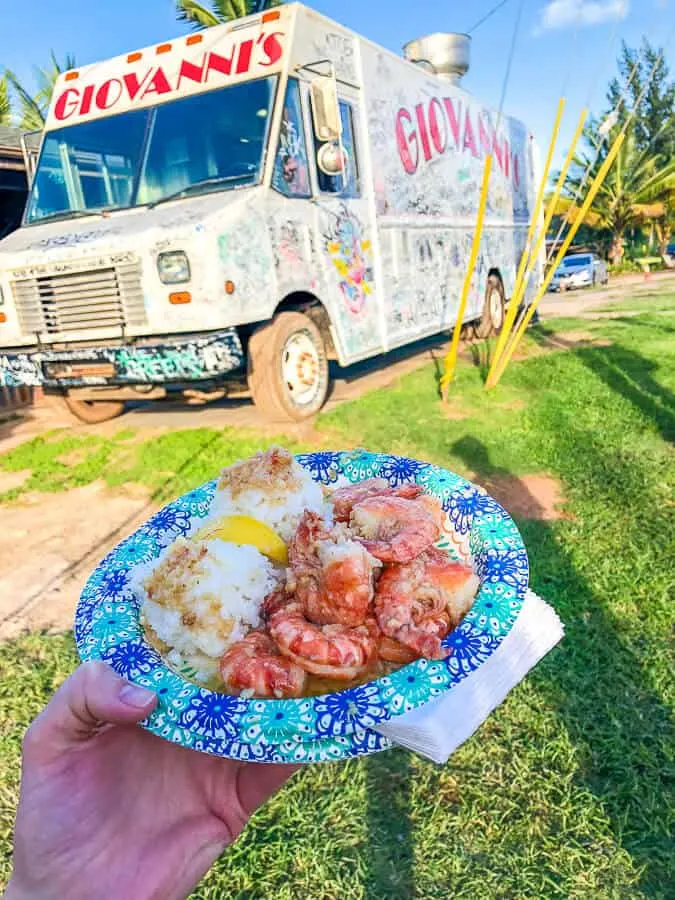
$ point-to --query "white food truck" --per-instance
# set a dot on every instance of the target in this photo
(250, 201)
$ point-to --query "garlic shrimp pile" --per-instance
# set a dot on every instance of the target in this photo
(364, 590)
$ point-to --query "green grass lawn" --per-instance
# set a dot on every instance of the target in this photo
(648, 301)
(567, 790)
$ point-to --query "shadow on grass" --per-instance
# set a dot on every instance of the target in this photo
(599, 687)
(388, 856)
(639, 322)
(629, 374)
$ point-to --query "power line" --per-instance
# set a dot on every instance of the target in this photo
(509, 62)
(487, 16)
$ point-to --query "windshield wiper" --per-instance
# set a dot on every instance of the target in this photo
(67, 214)
(197, 185)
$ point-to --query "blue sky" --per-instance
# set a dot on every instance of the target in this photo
(557, 38)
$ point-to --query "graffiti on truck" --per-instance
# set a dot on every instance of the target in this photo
(156, 364)
(19, 371)
(352, 256)
(246, 259)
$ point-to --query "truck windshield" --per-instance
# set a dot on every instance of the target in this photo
(205, 142)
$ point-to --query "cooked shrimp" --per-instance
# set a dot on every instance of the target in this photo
(394, 651)
(395, 529)
(255, 664)
(419, 603)
(331, 576)
(333, 651)
(345, 498)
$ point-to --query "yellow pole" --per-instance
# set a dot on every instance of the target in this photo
(525, 258)
(569, 159)
(520, 289)
(543, 287)
(450, 361)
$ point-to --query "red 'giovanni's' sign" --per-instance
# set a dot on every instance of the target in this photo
(445, 123)
(141, 87)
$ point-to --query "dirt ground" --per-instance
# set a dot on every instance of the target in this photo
(46, 555)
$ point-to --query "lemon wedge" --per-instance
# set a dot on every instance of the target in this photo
(245, 530)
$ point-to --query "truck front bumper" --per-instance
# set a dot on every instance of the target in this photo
(190, 358)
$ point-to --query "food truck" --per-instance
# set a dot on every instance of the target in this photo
(245, 203)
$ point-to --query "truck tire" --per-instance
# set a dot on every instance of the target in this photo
(288, 368)
(492, 317)
(93, 411)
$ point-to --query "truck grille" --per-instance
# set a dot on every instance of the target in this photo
(82, 300)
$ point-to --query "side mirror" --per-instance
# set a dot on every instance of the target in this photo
(332, 159)
(325, 108)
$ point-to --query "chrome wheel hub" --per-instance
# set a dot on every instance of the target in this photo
(301, 368)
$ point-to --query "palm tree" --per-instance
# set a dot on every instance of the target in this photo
(664, 224)
(5, 106)
(34, 107)
(638, 187)
(221, 10)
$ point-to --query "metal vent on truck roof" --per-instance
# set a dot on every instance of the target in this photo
(446, 54)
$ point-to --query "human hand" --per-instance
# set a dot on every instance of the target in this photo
(109, 810)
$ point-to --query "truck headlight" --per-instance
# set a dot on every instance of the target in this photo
(173, 267)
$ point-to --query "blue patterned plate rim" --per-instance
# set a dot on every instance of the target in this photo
(107, 627)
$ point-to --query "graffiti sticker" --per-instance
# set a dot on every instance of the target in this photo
(352, 257)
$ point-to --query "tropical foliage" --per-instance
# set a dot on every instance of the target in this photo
(219, 11)
(33, 107)
(5, 106)
(639, 190)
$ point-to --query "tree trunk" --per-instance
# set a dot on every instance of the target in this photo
(616, 250)
(663, 233)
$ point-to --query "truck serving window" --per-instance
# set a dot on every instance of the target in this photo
(205, 142)
(291, 171)
(345, 184)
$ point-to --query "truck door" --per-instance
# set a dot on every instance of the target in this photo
(345, 225)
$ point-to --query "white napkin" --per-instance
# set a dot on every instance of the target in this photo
(437, 729)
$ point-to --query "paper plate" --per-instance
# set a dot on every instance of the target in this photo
(311, 729)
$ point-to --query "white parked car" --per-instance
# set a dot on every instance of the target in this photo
(579, 270)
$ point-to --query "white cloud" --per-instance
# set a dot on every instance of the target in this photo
(570, 13)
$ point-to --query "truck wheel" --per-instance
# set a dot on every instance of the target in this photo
(288, 367)
(93, 411)
(492, 317)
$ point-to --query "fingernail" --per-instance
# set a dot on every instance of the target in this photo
(138, 697)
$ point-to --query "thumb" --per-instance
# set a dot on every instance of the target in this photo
(94, 695)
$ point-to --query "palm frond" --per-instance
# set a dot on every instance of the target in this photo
(660, 183)
(200, 16)
(32, 116)
(194, 13)
(5, 105)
